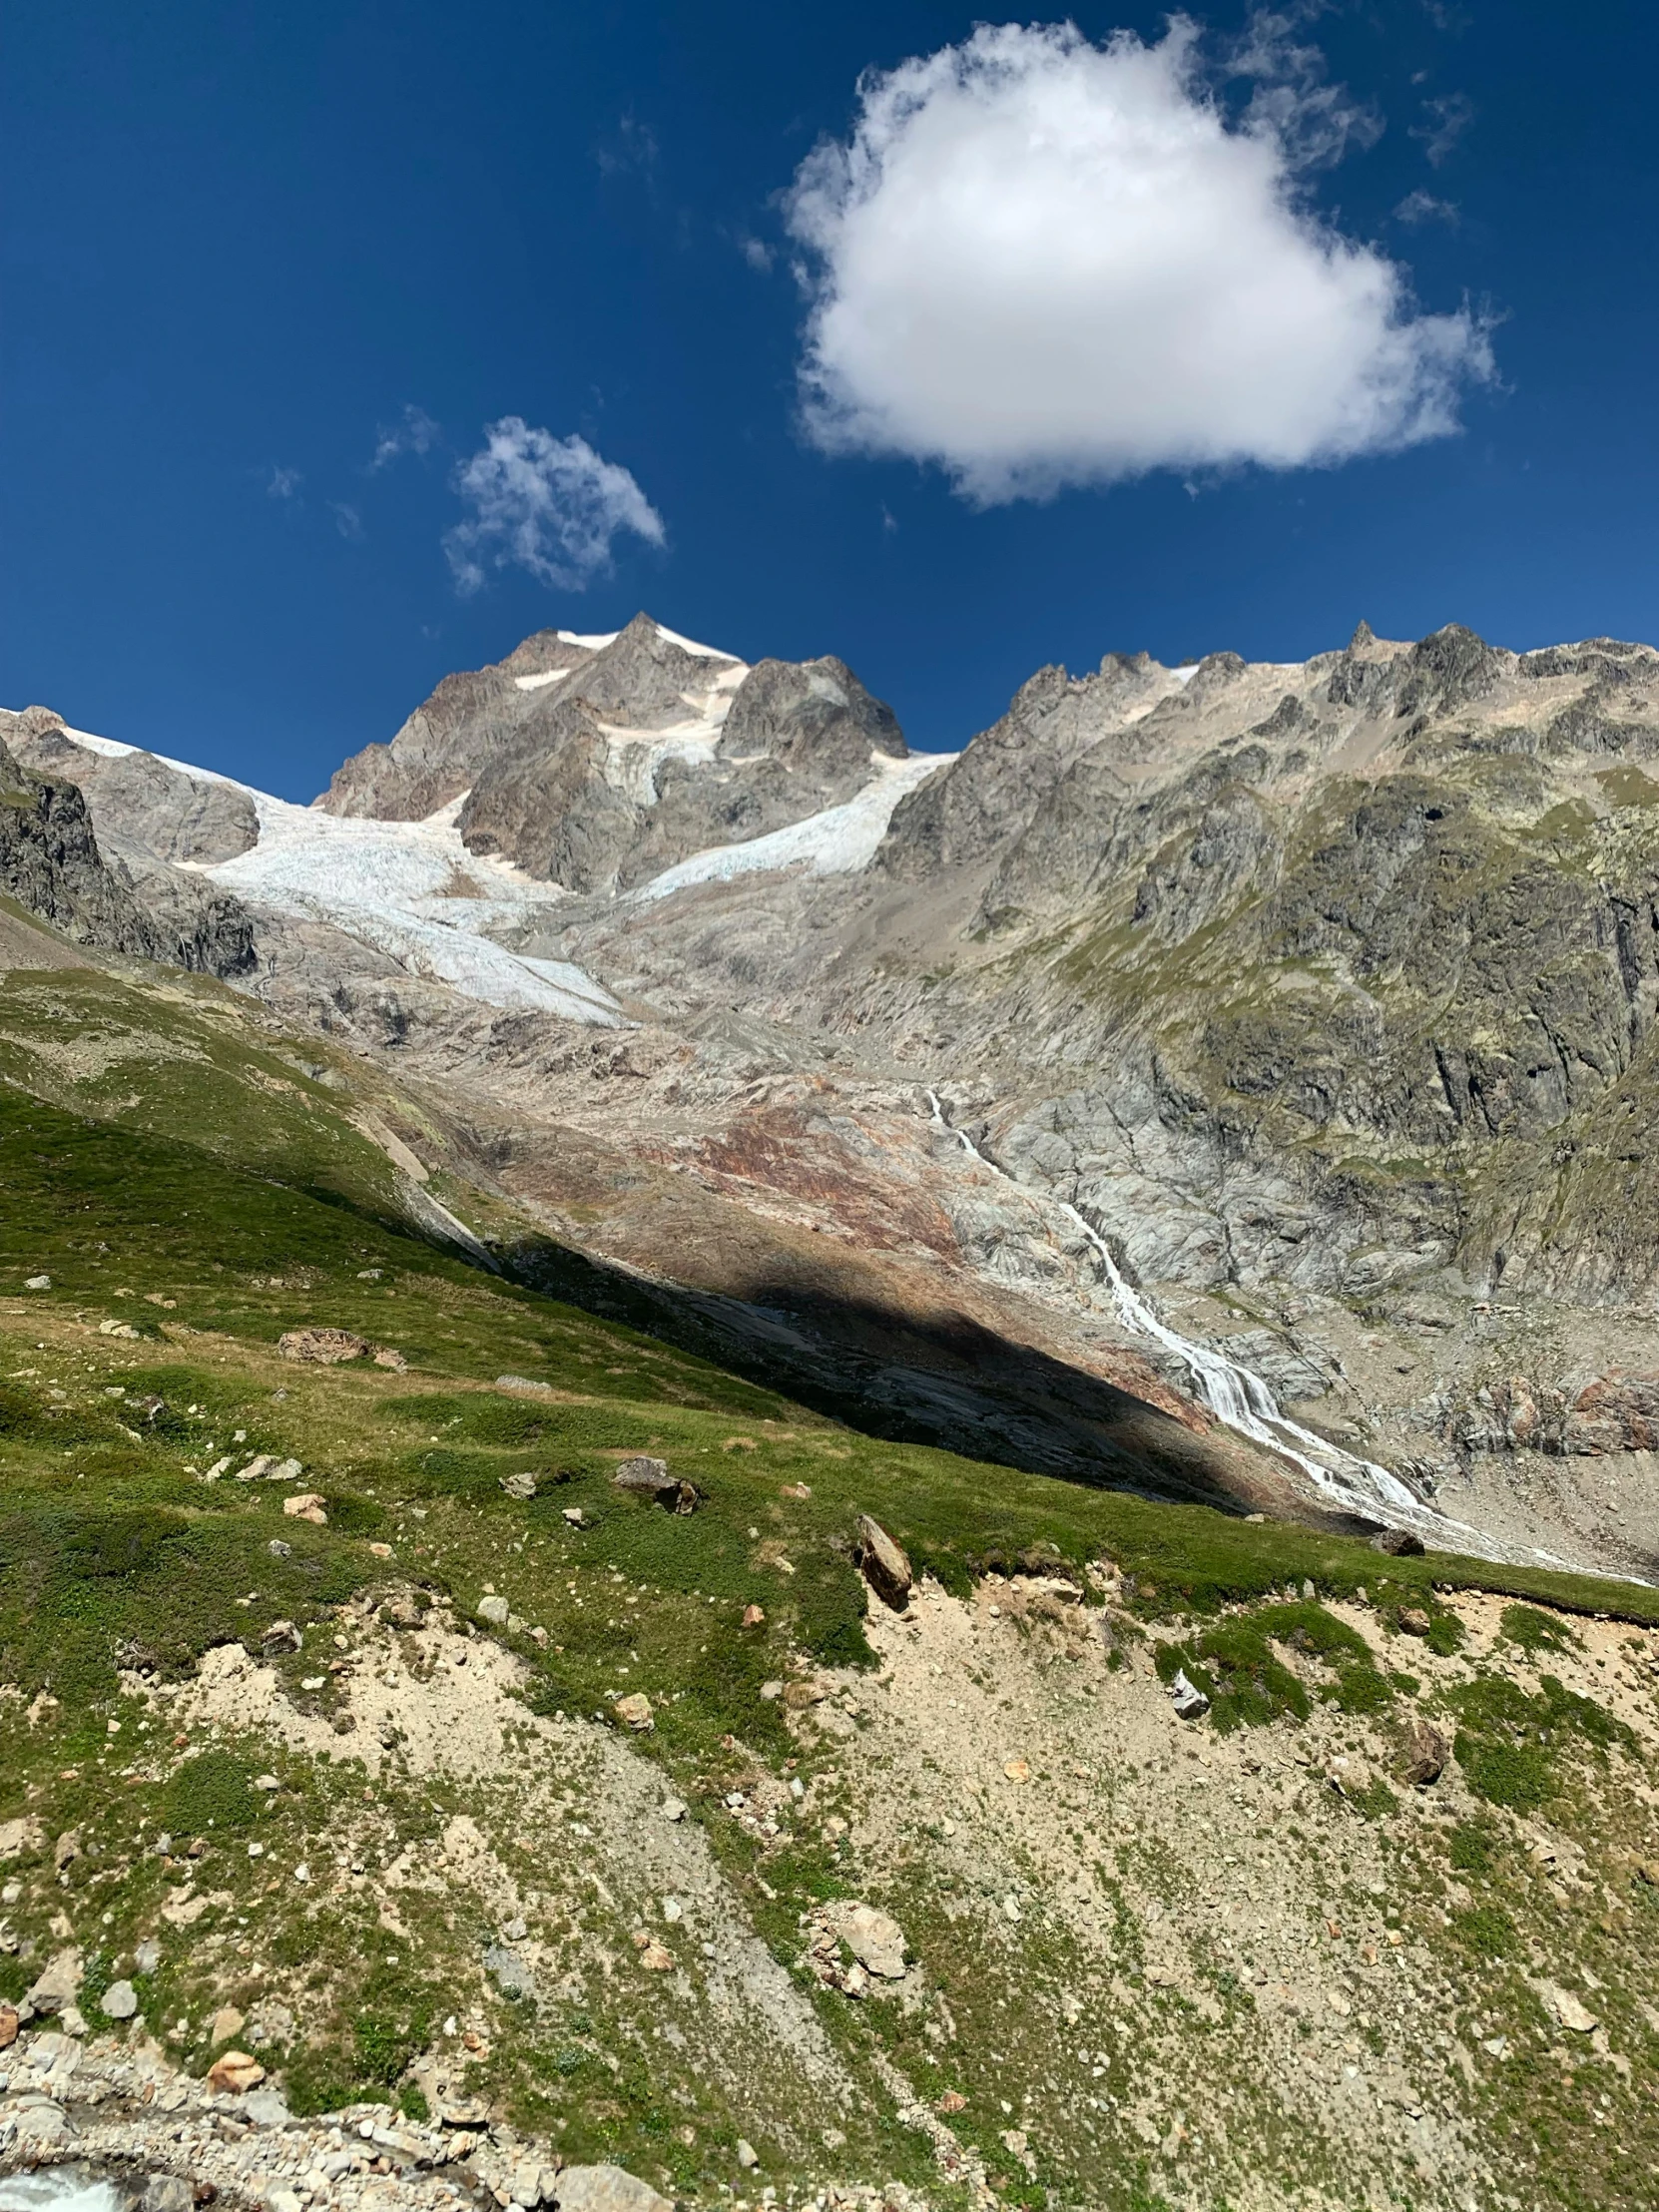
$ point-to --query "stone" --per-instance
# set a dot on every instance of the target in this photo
(148, 1956)
(323, 1346)
(20, 1835)
(267, 2108)
(57, 1985)
(65, 1850)
(285, 2200)
(1570, 2011)
(1187, 1699)
(1414, 1621)
(494, 1610)
(41, 2123)
(227, 2023)
(606, 2189)
(875, 1938)
(1018, 1770)
(635, 1711)
(306, 1506)
(747, 2156)
(279, 1550)
(120, 2001)
(772, 1691)
(167, 2193)
(234, 2074)
(36, 1283)
(651, 1479)
(674, 1809)
(281, 1638)
(1398, 1544)
(884, 1563)
(8, 2026)
(753, 1615)
(519, 1485)
(508, 1971)
(655, 1956)
(575, 1515)
(1424, 1755)
(523, 1384)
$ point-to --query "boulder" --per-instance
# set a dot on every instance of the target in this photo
(494, 1610)
(635, 1711)
(1398, 1544)
(308, 1505)
(120, 2001)
(20, 1835)
(8, 2026)
(875, 1938)
(167, 2193)
(521, 1487)
(234, 2074)
(606, 2189)
(1424, 1754)
(323, 1346)
(651, 1479)
(1187, 1699)
(56, 1986)
(884, 1563)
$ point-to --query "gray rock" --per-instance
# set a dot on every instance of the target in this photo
(266, 2108)
(511, 1976)
(494, 1610)
(519, 1485)
(147, 1957)
(651, 1479)
(875, 1938)
(120, 2001)
(606, 2189)
(167, 2193)
(1189, 1700)
(58, 1986)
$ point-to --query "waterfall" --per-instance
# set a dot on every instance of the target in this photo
(1241, 1401)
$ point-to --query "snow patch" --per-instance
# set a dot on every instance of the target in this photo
(839, 841)
(537, 682)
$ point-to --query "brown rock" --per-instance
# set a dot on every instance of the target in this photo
(952, 2101)
(635, 1711)
(886, 1567)
(65, 1850)
(234, 2074)
(753, 1615)
(1424, 1758)
(656, 1957)
(8, 2026)
(308, 1505)
(1398, 1544)
(324, 1348)
(1414, 1621)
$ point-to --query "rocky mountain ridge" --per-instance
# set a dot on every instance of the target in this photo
(1321, 993)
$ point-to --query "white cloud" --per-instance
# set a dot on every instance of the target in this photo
(1447, 119)
(347, 520)
(1421, 207)
(1041, 262)
(284, 483)
(415, 433)
(548, 505)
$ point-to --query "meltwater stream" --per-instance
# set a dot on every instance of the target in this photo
(1242, 1400)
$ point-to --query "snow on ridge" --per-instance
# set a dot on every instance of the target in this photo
(595, 642)
(535, 683)
(839, 841)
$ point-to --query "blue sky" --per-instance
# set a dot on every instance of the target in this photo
(240, 243)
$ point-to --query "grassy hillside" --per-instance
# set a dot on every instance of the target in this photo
(453, 1824)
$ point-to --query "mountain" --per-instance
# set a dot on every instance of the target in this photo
(752, 1532)
(1266, 1047)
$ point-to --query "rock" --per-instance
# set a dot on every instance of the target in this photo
(234, 2074)
(1424, 1754)
(1572, 2013)
(8, 2026)
(655, 1956)
(120, 2001)
(635, 1711)
(748, 2155)
(281, 1638)
(323, 1346)
(36, 1283)
(167, 2193)
(41, 2123)
(753, 1615)
(279, 1550)
(1398, 1544)
(651, 1479)
(874, 1939)
(306, 1506)
(606, 2189)
(388, 1356)
(508, 1971)
(17, 1837)
(494, 1610)
(674, 1809)
(523, 1386)
(148, 1956)
(65, 1850)
(267, 2108)
(227, 2023)
(1187, 1699)
(1018, 1770)
(285, 2200)
(519, 1485)
(886, 1567)
(59, 1984)
(576, 1517)
(772, 1691)
(1414, 1621)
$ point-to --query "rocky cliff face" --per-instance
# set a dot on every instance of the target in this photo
(51, 860)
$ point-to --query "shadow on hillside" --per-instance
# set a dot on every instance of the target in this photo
(944, 1380)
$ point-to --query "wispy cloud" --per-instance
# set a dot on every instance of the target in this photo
(550, 505)
(348, 521)
(1421, 207)
(756, 254)
(1314, 123)
(284, 483)
(632, 150)
(1445, 120)
(413, 433)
